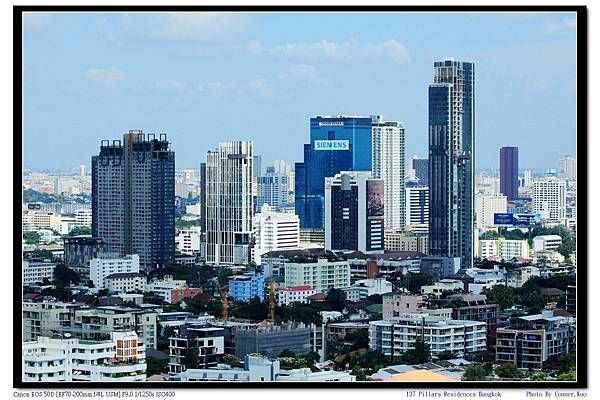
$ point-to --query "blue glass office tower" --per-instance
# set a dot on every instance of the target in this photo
(451, 147)
(337, 144)
(421, 167)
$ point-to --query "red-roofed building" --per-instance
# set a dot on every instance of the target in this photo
(295, 294)
(316, 298)
(186, 293)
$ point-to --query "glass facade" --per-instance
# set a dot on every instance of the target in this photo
(451, 146)
(336, 144)
(509, 172)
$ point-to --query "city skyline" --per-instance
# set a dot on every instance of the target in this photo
(194, 87)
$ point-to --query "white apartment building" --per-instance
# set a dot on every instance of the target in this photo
(502, 248)
(126, 282)
(34, 220)
(397, 335)
(274, 231)
(107, 264)
(65, 224)
(517, 277)
(164, 287)
(120, 359)
(388, 164)
(400, 241)
(546, 243)
(417, 207)
(442, 285)
(369, 287)
(486, 205)
(83, 218)
(320, 275)
(187, 240)
(549, 199)
(34, 271)
(229, 208)
(294, 294)
(40, 319)
(568, 167)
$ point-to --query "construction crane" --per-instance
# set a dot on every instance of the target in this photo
(271, 291)
(224, 300)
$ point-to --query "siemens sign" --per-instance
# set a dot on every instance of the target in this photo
(332, 145)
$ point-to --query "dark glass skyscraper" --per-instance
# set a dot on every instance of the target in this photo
(336, 144)
(133, 197)
(421, 167)
(509, 172)
(451, 147)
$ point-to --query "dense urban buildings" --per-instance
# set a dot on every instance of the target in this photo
(388, 165)
(509, 172)
(549, 198)
(337, 143)
(451, 155)
(417, 206)
(133, 187)
(354, 212)
(274, 231)
(229, 205)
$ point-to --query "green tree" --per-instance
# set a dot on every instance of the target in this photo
(80, 230)
(417, 355)
(155, 366)
(192, 352)
(561, 364)
(63, 276)
(509, 371)
(446, 355)
(287, 353)
(359, 373)
(570, 375)
(336, 299)
(501, 294)
(376, 298)
(102, 292)
(359, 339)
(31, 237)
(540, 376)
(474, 372)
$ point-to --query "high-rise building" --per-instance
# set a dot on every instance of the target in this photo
(421, 168)
(133, 197)
(417, 205)
(509, 172)
(273, 189)
(82, 170)
(274, 231)
(337, 143)
(486, 205)
(568, 167)
(388, 165)
(229, 209)
(354, 212)
(549, 198)
(527, 180)
(451, 155)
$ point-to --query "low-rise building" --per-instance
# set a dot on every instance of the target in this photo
(440, 267)
(126, 282)
(246, 287)
(443, 285)
(397, 304)
(397, 335)
(79, 250)
(178, 295)
(46, 318)
(339, 330)
(474, 307)
(534, 338)
(122, 358)
(164, 287)
(187, 240)
(261, 369)
(208, 339)
(271, 340)
(400, 241)
(320, 274)
(294, 294)
(36, 270)
(106, 264)
(504, 249)
(546, 242)
(518, 276)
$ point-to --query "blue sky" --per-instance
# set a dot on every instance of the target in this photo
(202, 78)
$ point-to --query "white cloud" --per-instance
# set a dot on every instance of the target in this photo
(195, 26)
(110, 77)
(553, 28)
(344, 52)
(36, 21)
(169, 84)
(306, 73)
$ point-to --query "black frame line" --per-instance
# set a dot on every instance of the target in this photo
(582, 224)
